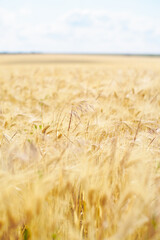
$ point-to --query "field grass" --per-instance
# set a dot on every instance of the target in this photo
(79, 147)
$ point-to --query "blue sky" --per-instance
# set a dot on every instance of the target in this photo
(80, 26)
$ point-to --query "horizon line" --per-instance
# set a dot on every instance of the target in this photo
(77, 53)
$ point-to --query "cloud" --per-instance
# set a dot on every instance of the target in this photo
(79, 31)
(79, 19)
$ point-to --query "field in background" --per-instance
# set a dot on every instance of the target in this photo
(79, 147)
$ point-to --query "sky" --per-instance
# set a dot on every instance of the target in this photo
(80, 26)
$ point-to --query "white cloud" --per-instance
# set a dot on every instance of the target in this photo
(25, 12)
(79, 31)
(6, 17)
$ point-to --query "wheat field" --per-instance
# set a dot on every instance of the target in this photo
(79, 147)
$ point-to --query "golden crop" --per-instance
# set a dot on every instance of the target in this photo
(79, 148)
